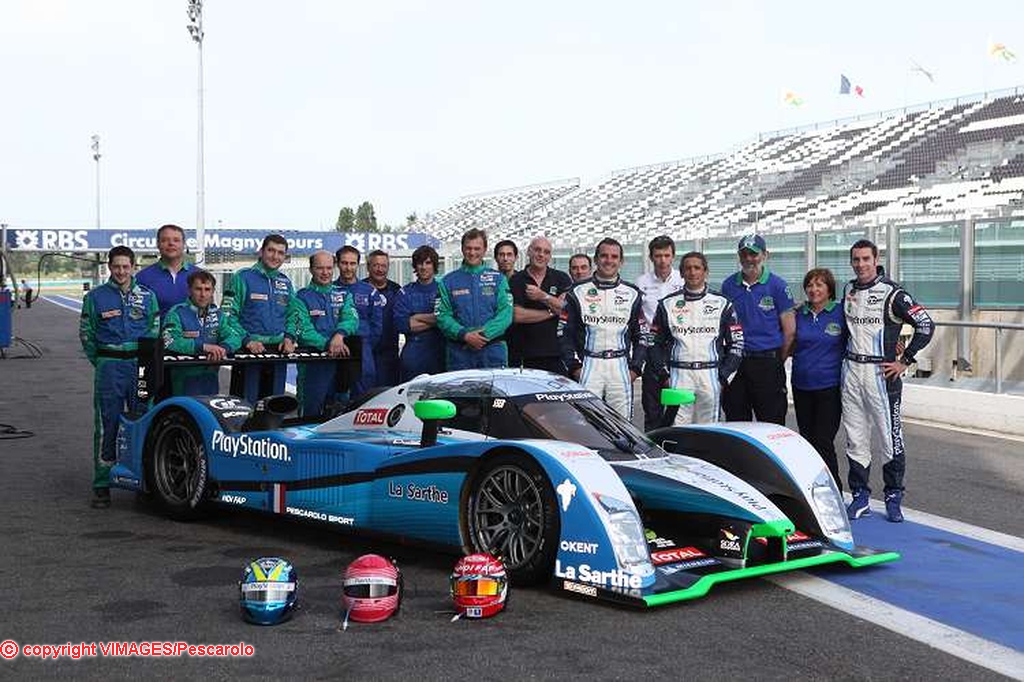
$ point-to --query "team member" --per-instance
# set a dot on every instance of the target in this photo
(876, 309)
(538, 293)
(385, 351)
(698, 342)
(255, 303)
(764, 307)
(580, 267)
(656, 285)
(474, 308)
(505, 255)
(322, 315)
(817, 363)
(601, 334)
(115, 316)
(26, 292)
(168, 277)
(414, 316)
(364, 297)
(196, 327)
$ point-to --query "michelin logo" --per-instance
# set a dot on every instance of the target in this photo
(242, 445)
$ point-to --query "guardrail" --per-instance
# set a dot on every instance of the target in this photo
(999, 327)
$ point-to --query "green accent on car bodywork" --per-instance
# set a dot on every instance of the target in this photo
(670, 397)
(772, 529)
(428, 410)
(705, 583)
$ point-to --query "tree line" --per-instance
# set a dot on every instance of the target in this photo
(364, 219)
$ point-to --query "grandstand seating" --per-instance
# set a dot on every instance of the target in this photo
(965, 158)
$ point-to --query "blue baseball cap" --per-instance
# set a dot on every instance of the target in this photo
(752, 242)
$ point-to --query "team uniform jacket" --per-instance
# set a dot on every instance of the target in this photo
(256, 302)
(474, 299)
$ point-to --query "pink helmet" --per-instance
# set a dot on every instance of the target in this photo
(479, 586)
(373, 589)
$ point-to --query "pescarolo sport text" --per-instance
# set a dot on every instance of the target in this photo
(241, 445)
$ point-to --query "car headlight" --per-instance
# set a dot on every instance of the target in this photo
(627, 535)
(828, 505)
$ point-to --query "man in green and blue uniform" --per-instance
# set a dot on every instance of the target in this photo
(115, 316)
(322, 316)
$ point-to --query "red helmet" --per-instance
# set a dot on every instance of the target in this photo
(373, 589)
(479, 586)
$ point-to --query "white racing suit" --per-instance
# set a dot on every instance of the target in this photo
(698, 346)
(601, 332)
(875, 313)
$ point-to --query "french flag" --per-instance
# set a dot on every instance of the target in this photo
(277, 494)
(845, 87)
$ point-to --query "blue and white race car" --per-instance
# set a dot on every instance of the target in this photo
(526, 465)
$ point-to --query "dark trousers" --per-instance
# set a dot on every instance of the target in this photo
(650, 398)
(759, 388)
(551, 364)
(818, 414)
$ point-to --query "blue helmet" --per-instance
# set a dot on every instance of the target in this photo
(268, 591)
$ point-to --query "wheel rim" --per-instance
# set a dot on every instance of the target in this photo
(507, 512)
(177, 471)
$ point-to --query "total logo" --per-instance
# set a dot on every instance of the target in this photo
(371, 416)
(671, 556)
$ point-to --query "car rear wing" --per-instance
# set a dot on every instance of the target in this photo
(155, 364)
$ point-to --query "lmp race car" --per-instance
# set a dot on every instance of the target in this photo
(526, 465)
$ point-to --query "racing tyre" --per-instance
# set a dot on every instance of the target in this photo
(176, 467)
(511, 513)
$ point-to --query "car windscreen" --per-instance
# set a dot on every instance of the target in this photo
(591, 423)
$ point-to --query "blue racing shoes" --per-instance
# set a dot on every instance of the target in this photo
(860, 506)
(892, 506)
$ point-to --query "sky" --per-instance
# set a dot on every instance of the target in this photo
(312, 105)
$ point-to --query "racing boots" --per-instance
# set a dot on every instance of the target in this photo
(893, 512)
(100, 498)
(861, 504)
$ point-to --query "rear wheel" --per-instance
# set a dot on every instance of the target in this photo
(176, 466)
(511, 513)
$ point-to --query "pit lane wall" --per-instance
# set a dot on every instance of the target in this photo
(966, 409)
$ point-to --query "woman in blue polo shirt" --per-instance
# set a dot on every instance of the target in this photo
(817, 365)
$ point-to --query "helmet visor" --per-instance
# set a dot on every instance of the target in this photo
(375, 589)
(267, 592)
(476, 586)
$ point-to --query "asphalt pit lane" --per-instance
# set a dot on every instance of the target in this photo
(209, 576)
(250, 553)
(129, 610)
(109, 535)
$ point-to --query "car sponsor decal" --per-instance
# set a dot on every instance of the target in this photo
(371, 416)
(395, 415)
(729, 543)
(418, 492)
(563, 397)
(578, 588)
(244, 445)
(669, 569)
(320, 516)
(672, 556)
(578, 547)
(656, 540)
(566, 491)
(585, 574)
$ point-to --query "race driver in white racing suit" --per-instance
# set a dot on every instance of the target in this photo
(876, 309)
(601, 333)
(698, 342)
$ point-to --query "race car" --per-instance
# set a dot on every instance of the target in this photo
(523, 464)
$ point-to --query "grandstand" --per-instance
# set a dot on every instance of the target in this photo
(962, 158)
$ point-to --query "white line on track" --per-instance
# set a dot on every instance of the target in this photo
(953, 641)
(964, 429)
(62, 305)
(992, 537)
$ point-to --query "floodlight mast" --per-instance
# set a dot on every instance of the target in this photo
(195, 29)
(96, 157)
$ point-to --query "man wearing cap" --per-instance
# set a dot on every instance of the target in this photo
(764, 306)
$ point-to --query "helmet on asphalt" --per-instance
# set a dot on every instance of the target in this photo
(479, 586)
(372, 590)
(268, 591)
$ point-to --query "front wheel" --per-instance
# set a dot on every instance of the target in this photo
(511, 513)
(176, 467)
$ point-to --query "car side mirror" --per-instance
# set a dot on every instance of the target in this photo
(431, 413)
(674, 397)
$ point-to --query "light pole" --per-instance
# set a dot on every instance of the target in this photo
(96, 157)
(195, 29)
